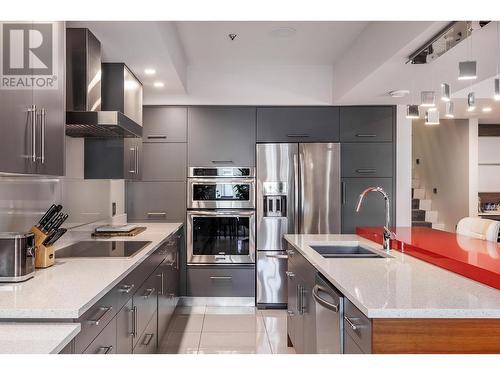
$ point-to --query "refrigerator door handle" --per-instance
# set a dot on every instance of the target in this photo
(296, 192)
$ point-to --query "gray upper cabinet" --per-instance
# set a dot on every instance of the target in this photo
(164, 161)
(33, 121)
(367, 159)
(165, 124)
(298, 124)
(221, 136)
(366, 124)
(372, 211)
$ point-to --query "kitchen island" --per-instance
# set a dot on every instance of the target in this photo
(412, 306)
(92, 291)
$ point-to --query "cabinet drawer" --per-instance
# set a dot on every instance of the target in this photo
(145, 303)
(147, 342)
(357, 326)
(164, 124)
(221, 281)
(164, 161)
(124, 329)
(298, 124)
(156, 201)
(365, 160)
(105, 342)
(366, 124)
(350, 346)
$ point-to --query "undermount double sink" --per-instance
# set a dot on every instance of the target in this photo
(346, 251)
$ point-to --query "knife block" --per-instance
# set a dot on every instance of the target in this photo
(44, 255)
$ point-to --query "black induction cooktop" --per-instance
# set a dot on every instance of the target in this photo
(102, 249)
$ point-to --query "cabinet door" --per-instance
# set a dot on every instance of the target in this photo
(292, 309)
(124, 329)
(167, 295)
(165, 124)
(366, 124)
(372, 212)
(17, 119)
(156, 201)
(221, 281)
(367, 159)
(147, 342)
(221, 136)
(164, 161)
(145, 305)
(50, 103)
(298, 124)
(105, 342)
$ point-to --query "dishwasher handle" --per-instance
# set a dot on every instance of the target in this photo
(330, 306)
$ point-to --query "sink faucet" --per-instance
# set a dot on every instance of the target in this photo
(388, 234)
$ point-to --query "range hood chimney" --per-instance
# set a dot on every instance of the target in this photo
(102, 100)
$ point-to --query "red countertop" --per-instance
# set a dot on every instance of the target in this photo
(476, 259)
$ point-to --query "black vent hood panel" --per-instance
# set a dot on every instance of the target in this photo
(90, 84)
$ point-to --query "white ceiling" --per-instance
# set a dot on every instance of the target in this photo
(312, 43)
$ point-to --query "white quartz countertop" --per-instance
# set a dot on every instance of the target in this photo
(400, 286)
(36, 338)
(72, 285)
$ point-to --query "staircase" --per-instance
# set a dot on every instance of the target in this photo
(422, 214)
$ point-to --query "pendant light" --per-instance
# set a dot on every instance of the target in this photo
(449, 110)
(467, 70)
(445, 92)
(432, 117)
(497, 89)
(412, 111)
(428, 99)
(471, 102)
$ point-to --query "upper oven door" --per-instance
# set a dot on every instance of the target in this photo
(221, 193)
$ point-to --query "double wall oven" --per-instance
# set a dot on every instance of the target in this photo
(221, 215)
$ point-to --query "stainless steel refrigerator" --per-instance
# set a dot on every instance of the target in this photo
(298, 191)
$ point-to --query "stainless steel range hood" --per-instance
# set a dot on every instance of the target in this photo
(102, 100)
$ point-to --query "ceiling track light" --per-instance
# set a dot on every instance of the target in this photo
(449, 110)
(432, 117)
(445, 92)
(428, 99)
(497, 89)
(467, 70)
(412, 111)
(471, 102)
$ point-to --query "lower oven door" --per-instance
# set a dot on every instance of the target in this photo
(220, 237)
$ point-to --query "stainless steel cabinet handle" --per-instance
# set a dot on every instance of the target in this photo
(361, 135)
(104, 310)
(32, 118)
(148, 293)
(126, 288)
(298, 135)
(162, 277)
(222, 161)
(321, 301)
(343, 192)
(104, 349)
(290, 313)
(303, 292)
(298, 295)
(43, 120)
(147, 339)
(290, 252)
(137, 160)
(366, 170)
(353, 326)
(132, 157)
(157, 214)
(290, 274)
(221, 277)
(134, 321)
(277, 256)
(157, 137)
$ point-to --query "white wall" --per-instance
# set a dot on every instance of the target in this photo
(445, 153)
(489, 175)
(403, 168)
(255, 85)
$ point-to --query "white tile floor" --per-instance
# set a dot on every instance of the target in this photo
(226, 330)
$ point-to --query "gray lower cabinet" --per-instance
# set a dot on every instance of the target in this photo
(145, 305)
(221, 281)
(372, 211)
(350, 346)
(148, 340)
(105, 342)
(357, 327)
(164, 124)
(221, 136)
(125, 329)
(367, 123)
(164, 161)
(156, 201)
(367, 159)
(297, 124)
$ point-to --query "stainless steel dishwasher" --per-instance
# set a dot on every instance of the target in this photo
(329, 304)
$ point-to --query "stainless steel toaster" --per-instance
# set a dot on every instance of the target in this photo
(17, 256)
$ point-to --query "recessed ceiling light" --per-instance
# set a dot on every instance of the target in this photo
(158, 84)
(283, 32)
(399, 93)
(487, 109)
(149, 71)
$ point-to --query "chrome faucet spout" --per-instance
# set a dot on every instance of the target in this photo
(388, 234)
